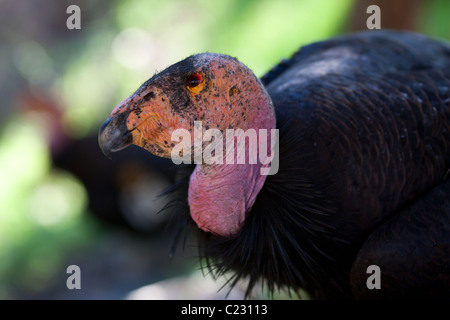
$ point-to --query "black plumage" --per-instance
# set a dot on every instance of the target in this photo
(364, 124)
(364, 159)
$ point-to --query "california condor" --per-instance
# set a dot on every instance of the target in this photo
(364, 159)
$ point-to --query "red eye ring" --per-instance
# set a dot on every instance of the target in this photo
(194, 80)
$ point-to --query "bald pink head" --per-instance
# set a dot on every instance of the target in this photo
(222, 93)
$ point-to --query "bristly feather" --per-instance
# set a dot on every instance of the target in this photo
(285, 242)
(364, 128)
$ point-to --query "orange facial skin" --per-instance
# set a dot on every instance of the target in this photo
(152, 122)
(221, 100)
(223, 94)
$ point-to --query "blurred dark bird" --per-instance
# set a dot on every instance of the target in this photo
(364, 159)
(123, 192)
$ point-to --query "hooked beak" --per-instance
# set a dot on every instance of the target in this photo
(114, 134)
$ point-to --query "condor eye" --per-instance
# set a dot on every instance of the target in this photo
(194, 80)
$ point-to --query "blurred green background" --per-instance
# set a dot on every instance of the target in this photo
(57, 86)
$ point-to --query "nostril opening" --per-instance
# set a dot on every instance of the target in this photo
(149, 95)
